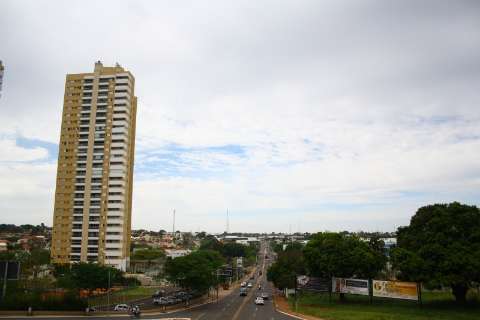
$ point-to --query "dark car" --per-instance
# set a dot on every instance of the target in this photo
(158, 294)
(243, 292)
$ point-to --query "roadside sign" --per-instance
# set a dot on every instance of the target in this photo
(395, 289)
(314, 284)
(352, 286)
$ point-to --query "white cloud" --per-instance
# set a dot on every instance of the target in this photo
(352, 115)
(10, 152)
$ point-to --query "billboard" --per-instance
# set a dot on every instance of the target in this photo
(313, 284)
(352, 286)
(395, 289)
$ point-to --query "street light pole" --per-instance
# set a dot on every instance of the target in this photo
(108, 290)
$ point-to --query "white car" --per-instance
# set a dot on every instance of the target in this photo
(249, 285)
(243, 284)
(259, 300)
(121, 307)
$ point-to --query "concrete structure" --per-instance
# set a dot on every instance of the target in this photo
(2, 69)
(93, 198)
(175, 253)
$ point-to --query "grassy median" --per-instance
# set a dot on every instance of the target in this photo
(123, 296)
(436, 305)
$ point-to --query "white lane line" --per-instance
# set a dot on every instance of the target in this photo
(200, 316)
(290, 315)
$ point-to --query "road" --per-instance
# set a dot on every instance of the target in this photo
(231, 307)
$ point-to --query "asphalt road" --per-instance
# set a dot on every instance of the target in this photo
(231, 307)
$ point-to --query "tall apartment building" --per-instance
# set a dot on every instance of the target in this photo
(93, 198)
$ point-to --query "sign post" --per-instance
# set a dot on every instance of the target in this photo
(9, 270)
(419, 290)
(4, 289)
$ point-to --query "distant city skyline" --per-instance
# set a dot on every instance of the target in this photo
(304, 115)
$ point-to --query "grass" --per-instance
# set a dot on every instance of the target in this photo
(123, 296)
(436, 305)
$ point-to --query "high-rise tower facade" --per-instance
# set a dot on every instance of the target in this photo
(93, 197)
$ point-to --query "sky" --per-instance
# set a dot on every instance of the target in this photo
(292, 115)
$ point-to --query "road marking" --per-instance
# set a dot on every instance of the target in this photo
(291, 315)
(200, 316)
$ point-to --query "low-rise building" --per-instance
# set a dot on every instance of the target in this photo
(175, 253)
(3, 245)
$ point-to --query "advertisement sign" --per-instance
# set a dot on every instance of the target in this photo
(395, 289)
(352, 286)
(313, 284)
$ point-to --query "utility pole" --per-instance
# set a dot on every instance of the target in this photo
(228, 224)
(4, 291)
(173, 230)
(108, 292)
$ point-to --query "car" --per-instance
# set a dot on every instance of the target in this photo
(121, 307)
(243, 284)
(158, 293)
(259, 300)
(243, 292)
(160, 301)
(249, 285)
(264, 295)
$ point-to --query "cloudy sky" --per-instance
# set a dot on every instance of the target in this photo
(293, 115)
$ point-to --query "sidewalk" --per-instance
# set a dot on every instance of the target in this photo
(152, 312)
(282, 305)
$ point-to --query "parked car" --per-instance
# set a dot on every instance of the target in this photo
(243, 284)
(121, 307)
(158, 293)
(160, 301)
(259, 300)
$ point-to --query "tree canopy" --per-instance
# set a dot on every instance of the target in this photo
(441, 246)
(148, 254)
(88, 276)
(195, 271)
(288, 265)
(335, 254)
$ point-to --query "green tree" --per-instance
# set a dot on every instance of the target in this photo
(149, 254)
(35, 260)
(88, 276)
(201, 235)
(341, 255)
(289, 264)
(441, 246)
(196, 271)
(211, 243)
(231, 250)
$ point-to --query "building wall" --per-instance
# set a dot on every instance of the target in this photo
(93, 198)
